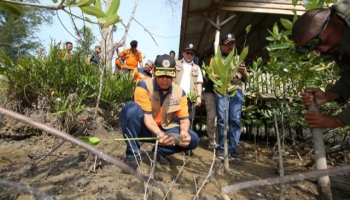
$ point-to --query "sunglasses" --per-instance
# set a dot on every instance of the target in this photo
(315, 41)
(189, 53)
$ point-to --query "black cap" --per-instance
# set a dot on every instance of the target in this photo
(133, 43)
(164, 66)
(227, 38)
(98, 46)
(190, 47)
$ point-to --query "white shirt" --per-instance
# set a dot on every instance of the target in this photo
(186, 76)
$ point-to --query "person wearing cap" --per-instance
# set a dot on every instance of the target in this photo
(94, 57)
(133, 58)
(326, 31)
(233, 104)
(145, 72)
(189, 77)
(156, 102)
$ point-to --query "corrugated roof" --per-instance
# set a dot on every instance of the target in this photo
(199, 23)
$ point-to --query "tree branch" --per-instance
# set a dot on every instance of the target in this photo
(286, 179)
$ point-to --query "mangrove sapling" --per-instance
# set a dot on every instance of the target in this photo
(221, 71)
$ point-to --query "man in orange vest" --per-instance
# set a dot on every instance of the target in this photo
(156, 102)
(133, 58)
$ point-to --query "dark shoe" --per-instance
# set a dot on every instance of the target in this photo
(163, 160)
(235, 156)
(132, 162)
(220, 154)
(188, 153)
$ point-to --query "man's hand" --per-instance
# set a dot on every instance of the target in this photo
(165, 140)
(242, 69)
(186, 139)
(198, 101)
(319, 120)
(309, 94)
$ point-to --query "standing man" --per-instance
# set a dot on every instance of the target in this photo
(133, 58)
(210, 106)
(322, 27)
(157, 101)
(189, 78)
(94, 57)
(145, 72)
(67, 52)
(233, 104)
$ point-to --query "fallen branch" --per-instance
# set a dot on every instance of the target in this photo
(26, 189)
(82, 144)
(285, 179)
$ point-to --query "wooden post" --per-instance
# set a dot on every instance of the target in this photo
(320, 158)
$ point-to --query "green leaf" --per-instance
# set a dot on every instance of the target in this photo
(294, 2)
(93, 11)
(92, 141)
(270, 38)
(279, 46)
(113, 8)
(97, 4)
(14, 10)
(247, 29)
(112, 19)
(88, 19)
(287, 24)
(244, 53)
(275, 29)
(83, 3)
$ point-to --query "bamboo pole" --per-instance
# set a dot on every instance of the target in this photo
(324, 185)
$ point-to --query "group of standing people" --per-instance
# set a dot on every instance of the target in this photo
(162, 107)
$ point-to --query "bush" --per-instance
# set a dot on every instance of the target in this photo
(60, 85)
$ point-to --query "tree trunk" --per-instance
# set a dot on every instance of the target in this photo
(107, 48)
(320, 159)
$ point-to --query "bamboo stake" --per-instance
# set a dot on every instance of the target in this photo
(320, 158)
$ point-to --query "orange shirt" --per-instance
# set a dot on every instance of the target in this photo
(118, 63)
(66, 54)
(142, 97)
(132, 58)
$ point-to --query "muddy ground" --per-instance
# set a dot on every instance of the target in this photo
(68, 173)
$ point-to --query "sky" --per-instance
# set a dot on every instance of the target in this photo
(162, 20)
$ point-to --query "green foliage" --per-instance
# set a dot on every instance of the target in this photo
(67, 85)
(14, 10)
(17, 38)
(286, 74)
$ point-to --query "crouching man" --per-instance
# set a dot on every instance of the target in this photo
(156, 102)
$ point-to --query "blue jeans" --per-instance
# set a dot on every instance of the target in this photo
(233, 119)
(133, 126)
